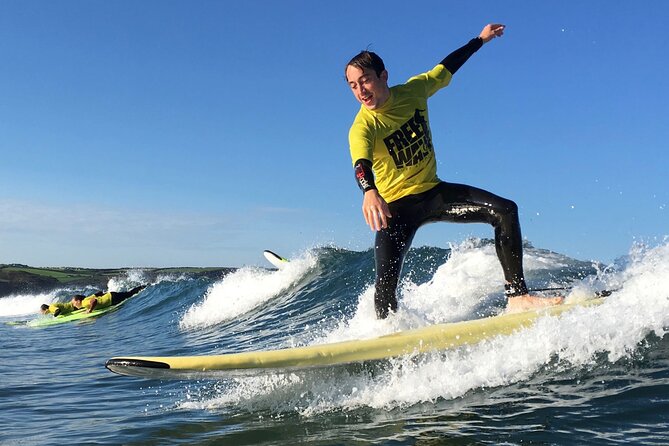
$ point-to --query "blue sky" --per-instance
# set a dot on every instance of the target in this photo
(174, 133)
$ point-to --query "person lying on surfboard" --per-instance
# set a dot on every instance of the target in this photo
(64, 308)
(57, 309)
(395, 167)
(101, 299)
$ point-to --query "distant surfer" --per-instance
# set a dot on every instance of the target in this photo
(101, 299)
(98, 300)
(57, 309)
(395, 166)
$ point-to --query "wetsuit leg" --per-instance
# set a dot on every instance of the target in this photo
(466, 204)
(451, 202)
(120, 296)
(390, 248)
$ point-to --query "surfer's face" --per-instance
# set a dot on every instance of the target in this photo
(370, 89)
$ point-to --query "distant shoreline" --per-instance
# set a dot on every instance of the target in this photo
(24, 279)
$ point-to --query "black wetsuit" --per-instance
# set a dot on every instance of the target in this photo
(448, 202)
(119, 296)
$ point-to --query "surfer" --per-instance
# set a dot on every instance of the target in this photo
(57, 308)
(102, 300)
(395, 166)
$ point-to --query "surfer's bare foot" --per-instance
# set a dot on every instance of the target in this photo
(527, 302)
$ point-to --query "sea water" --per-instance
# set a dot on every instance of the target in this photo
(595, 375)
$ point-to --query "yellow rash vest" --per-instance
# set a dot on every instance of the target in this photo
(396, 137)
(103, 301)
(65, 308)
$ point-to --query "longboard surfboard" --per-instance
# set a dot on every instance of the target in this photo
(420, 340)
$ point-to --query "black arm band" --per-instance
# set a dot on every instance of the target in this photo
(457, 58)
(364, 175)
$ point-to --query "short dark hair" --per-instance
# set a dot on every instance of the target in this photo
(44, 307)
(79, 297)
(367, 59)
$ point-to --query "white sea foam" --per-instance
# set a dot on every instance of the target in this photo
(244, 290)
(131, 279)
(25, 304)
(616, 328)
(454, 293)
(180, 277)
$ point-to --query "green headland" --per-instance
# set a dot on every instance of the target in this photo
(23, 279)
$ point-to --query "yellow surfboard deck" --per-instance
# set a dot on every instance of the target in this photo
(419, 340)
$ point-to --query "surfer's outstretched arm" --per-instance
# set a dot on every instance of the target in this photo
(91, 306)
(457, 58)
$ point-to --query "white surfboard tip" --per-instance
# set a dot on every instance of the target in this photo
(275, 259)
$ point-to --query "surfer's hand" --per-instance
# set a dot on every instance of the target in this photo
(375, 210)
(491, 31)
